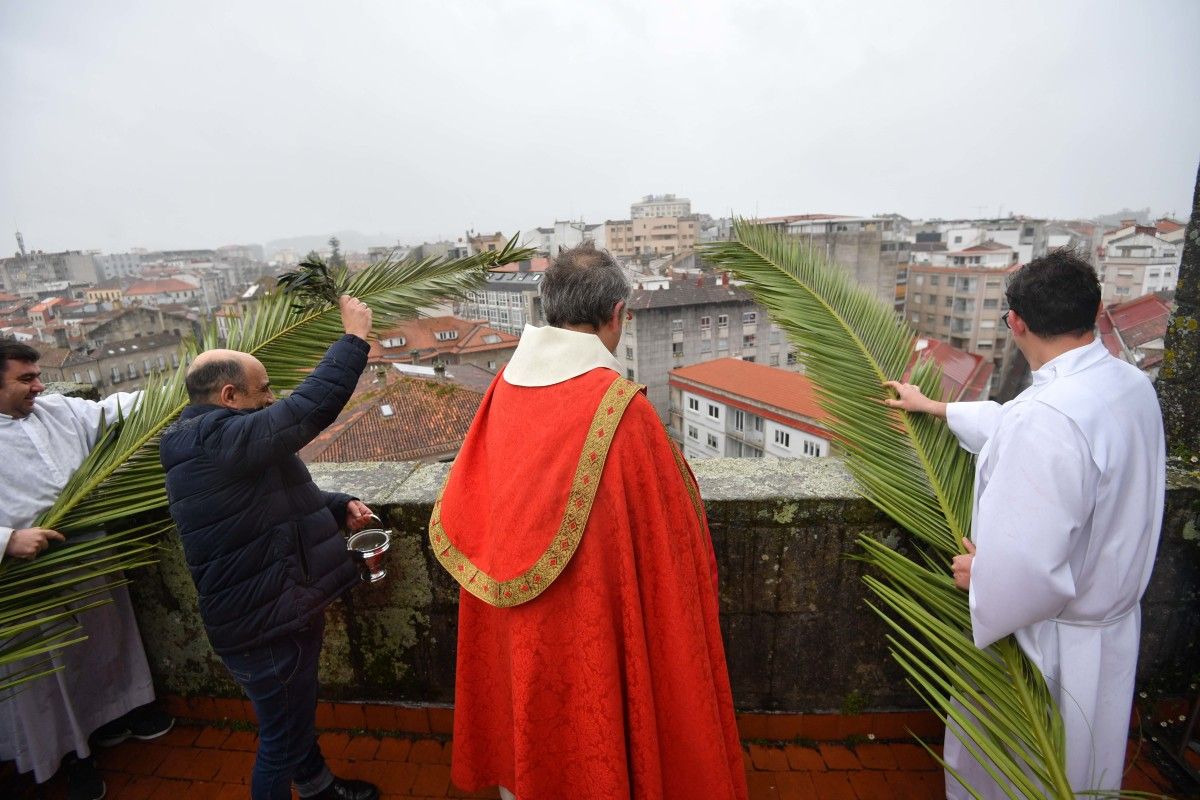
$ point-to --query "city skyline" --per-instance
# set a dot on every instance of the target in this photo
(171, 125)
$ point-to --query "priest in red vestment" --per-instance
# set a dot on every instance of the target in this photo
(590, 661)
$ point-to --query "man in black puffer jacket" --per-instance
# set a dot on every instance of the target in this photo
(262, 541)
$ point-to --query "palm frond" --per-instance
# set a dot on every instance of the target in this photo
(122, 479)
(911, 468)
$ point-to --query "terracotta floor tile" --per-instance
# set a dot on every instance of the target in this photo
(211, 737)
(795, 786)
(834, 786)
(171, 789)
(837, 756)
(333, 744)
(806, 759)
(769, 759)
(246, 741)
(911, 756)
(190, 765)
(426, 751)
(136, 758)
(763, 785)
(870, 785)
(412, 720)
(362, 748)
(236, 767)
(392, 748)
(875, 756)
(394, 777)
(180, 736)
(140, 788)
(432, 781)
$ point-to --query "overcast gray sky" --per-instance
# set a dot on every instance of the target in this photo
(197, 124)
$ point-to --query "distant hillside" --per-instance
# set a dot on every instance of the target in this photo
(352, 241)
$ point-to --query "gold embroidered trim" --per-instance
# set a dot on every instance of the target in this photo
(686, 475)
(550, 565)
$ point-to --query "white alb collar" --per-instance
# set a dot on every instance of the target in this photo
(548, 355)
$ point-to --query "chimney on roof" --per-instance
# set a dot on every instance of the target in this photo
(699, 281)
(1125, 223)
(439, 369)
(523, 265)
(725, 278)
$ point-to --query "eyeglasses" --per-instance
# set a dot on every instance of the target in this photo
(1004, 317)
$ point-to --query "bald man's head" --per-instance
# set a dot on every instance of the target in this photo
(228, 378)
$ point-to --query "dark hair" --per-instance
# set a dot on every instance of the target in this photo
(203, 381)
(12, 350)
(582, 286)
(1055, 294)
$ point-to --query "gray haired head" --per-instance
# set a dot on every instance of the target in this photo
(582, 287)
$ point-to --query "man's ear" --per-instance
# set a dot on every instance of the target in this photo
(618, 313)
(228, 394)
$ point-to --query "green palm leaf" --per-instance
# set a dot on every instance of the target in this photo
(122, 478)
(912, 468)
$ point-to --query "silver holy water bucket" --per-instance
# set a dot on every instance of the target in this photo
(368, 547)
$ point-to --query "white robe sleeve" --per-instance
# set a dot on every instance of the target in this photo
(1038, 497)
(91, 412)
(973, 423)
(5, 536)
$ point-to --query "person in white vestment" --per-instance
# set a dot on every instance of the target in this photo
(1069, 489)
(105, 685)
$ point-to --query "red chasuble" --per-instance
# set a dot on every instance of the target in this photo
(590, 662)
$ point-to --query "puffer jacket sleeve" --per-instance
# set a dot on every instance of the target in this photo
(336, 502)
(249, 442)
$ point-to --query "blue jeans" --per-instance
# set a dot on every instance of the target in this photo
(280, 678)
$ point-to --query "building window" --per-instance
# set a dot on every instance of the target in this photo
(991, 302)
(811, 448)
(693, 404)
(774, 360)
(692, 432)
(629, 374)
(783, 438)
(706, 345)
(116, 375)
(722, 321)
(446, 336)
(712, 441)
(948, 301)
(628, 351)
(791, 359)
(934, 280)
(705, 323)
(676, 325)
(714, 411)
(739, 419)
(758, 424)
(916, 319)
(946, 320)
(677, 349)
(749, 317)
(916, 298)
(749, 340)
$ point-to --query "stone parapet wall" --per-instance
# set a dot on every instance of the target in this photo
(799, 636)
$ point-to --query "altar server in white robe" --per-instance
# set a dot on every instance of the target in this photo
(1069, 489)
(106, 679)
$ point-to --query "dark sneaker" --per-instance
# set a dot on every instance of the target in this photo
(344, 789)
(143, 723)
(83, 781)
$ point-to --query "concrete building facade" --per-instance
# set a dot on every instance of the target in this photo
(729, 408)
(689, 323)
(660, 205)
(651, 236)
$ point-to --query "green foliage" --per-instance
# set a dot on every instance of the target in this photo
(120, 486)
(912, 468)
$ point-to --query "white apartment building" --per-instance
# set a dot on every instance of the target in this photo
(660, 205)
(729, 408)
(563, 235)
(1137, 260)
